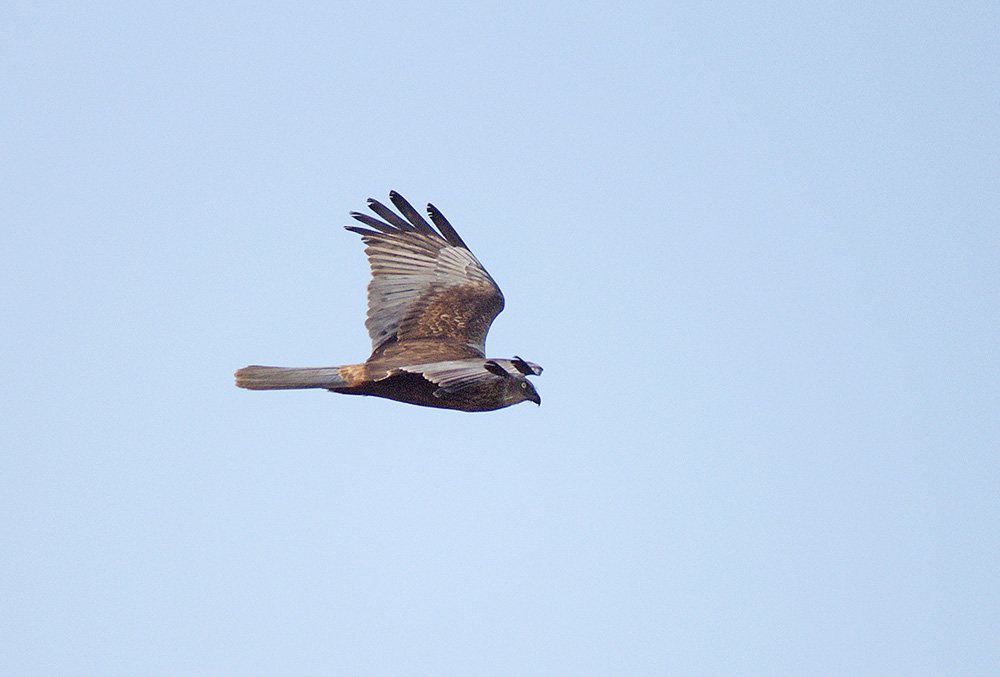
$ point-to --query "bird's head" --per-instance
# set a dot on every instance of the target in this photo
(516, 384)
(525, 390)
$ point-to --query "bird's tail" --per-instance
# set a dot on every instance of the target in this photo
(282, 378)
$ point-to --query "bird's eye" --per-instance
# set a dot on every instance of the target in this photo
(524, 385)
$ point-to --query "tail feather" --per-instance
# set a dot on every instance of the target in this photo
(281, 378)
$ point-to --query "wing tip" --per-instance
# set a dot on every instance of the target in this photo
(410, 221)
(525, 367)
(448, 231)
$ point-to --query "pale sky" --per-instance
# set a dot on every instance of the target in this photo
(756, 249)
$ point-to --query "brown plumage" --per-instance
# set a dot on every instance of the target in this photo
(430, 305)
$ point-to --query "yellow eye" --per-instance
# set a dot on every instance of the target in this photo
(524, 385)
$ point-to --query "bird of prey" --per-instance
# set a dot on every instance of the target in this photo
(430, 305)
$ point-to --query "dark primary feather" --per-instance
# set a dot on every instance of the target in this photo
(390, 216)
(494, 368)
(411, 214)
(525, 368)
(370, 221)
(446, 229)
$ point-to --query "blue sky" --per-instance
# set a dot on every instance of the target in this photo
(755, 247)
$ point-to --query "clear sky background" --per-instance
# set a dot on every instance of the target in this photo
(755, 247)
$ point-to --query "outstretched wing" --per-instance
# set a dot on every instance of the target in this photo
(454, 375)
(425, 284)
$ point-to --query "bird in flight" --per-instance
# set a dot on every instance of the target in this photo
(430, 305)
